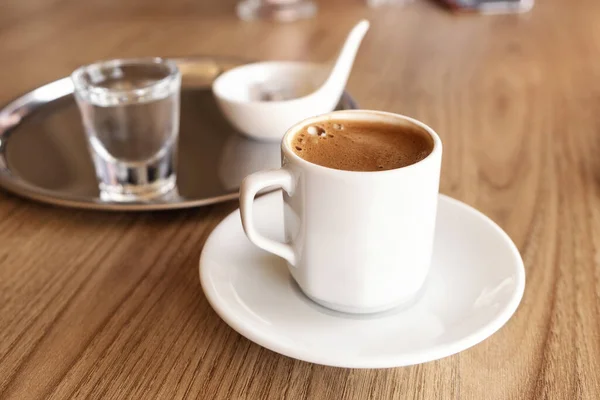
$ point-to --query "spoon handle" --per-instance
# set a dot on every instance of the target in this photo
(343, 65)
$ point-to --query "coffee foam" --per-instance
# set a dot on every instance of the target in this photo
(361, 145)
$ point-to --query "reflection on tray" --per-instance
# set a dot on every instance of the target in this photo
(242, 156)
(49, 150)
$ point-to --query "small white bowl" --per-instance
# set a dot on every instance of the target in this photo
(295, 91)
(264, 99)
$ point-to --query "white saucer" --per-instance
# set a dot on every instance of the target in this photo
(475, 285)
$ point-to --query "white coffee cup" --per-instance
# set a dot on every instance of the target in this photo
(357, 242)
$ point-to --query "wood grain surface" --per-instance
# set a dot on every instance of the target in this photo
(108, 305)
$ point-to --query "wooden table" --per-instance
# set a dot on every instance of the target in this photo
(108, 305)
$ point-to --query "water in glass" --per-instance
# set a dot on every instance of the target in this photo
(131, 119)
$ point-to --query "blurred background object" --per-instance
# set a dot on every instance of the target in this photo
(278, 10)
(491, 6)
(377, 3)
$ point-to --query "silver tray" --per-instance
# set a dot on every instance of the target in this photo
(44, 155)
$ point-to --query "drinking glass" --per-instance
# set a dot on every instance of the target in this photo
(130, 112)
(281, 10)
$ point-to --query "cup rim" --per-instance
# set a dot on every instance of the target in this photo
(82, 85)
(383, 115)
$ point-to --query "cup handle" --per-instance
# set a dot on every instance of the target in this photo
(251, 185)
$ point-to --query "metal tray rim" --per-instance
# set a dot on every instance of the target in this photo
(16, 110)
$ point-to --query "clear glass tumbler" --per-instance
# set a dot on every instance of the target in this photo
(279, 10)
(130, 111)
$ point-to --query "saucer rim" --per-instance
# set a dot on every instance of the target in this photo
(390, 360)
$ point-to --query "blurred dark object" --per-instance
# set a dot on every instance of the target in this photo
(277, 10)
(377, 3)
(490, 6)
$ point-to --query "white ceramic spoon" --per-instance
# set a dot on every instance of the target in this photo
(264, 99)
